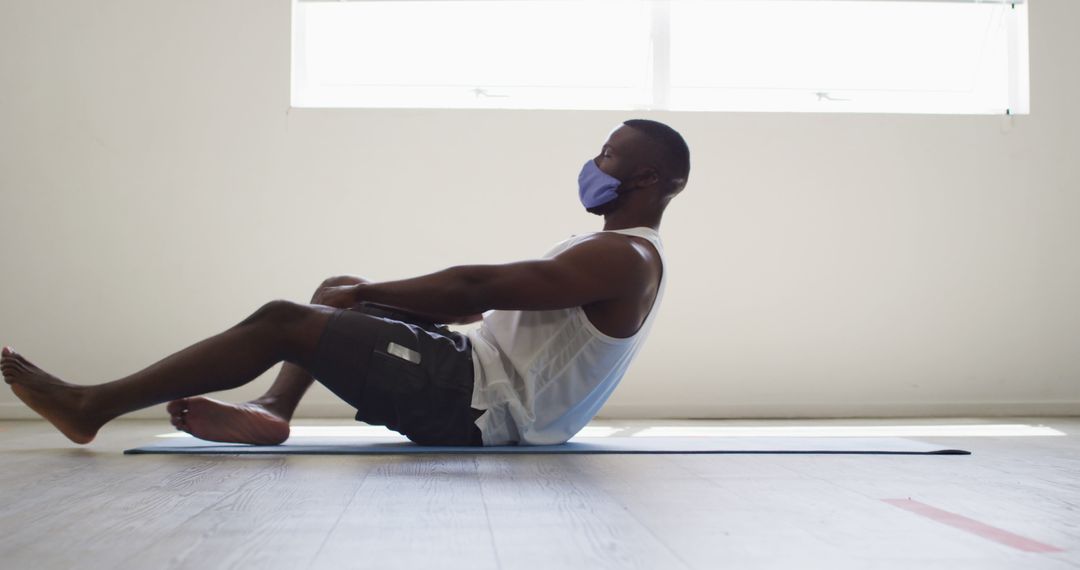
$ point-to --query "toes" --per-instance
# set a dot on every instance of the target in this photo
(179, 421)
(15, 359)
(176, 407)
(20, 358)
(10, 370)
(177, 411)
(9, 352)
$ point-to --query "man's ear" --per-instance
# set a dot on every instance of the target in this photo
(647, 177)
(642, 179)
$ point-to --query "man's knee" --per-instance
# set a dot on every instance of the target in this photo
(279, 311)
(293, 328)
(337, 281)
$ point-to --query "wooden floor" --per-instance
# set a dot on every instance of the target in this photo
(62, 506)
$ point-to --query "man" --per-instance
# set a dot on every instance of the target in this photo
(561, 332)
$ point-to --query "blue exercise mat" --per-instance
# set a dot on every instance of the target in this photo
(323, 445)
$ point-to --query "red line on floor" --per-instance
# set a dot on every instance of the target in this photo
(973, 526)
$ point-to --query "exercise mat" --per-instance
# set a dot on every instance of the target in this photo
(395, 445)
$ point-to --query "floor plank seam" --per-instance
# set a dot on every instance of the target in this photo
(487, 514)
(341, 515)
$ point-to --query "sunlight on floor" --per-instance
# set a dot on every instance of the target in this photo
(999, 430)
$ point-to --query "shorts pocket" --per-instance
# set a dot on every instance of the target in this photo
(390, 390)
(392, 375)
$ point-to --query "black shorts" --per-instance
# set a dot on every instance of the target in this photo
(413, 377)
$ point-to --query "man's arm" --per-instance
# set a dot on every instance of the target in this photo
(413, 315)
(596, 269)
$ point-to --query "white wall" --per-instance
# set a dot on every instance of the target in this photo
(156, 189)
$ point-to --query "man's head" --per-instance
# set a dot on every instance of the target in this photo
(645, 156)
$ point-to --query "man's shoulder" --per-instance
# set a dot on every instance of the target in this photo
(611, 255)
(601, 243)
(608, 243)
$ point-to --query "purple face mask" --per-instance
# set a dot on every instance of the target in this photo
(595, 187)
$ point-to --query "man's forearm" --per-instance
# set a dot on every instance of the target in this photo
(413, 316)
(444, 296)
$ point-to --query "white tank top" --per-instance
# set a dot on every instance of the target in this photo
(541, 376)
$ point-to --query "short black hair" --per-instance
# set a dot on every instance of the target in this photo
(675, 159)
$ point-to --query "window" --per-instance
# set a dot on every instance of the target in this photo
(915, 56)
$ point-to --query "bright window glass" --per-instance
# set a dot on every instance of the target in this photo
(517, 54)
(840, 56)
(920, 56)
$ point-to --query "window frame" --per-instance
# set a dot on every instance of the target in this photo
(660, 65)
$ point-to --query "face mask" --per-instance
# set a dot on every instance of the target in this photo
(595, 187)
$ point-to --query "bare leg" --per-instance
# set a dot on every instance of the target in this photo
(262, 421)
(278, 331)
(293, 381)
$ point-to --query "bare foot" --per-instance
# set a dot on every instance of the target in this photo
(214, 420)
(55, 400)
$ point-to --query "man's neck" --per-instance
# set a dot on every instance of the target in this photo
(621, 221)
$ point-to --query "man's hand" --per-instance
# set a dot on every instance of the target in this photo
(341, 296)
(470, 319)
